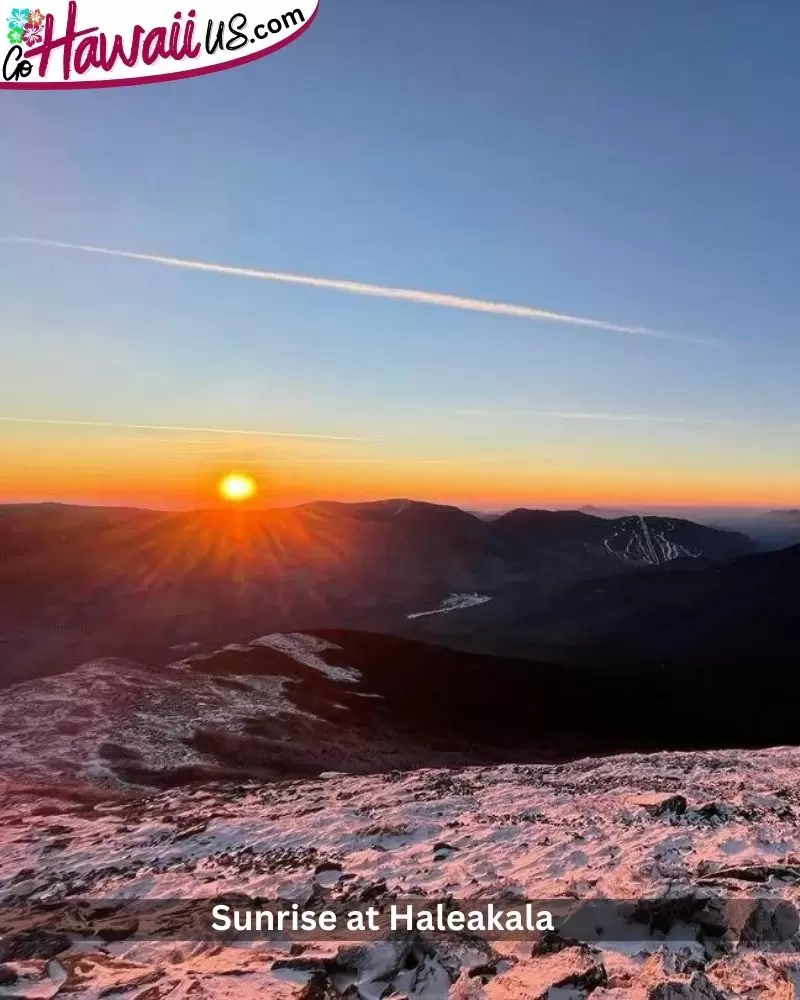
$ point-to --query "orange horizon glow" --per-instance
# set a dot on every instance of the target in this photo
(193, 495)
(185, 473)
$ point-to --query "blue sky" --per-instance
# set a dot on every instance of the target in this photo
(632, 162)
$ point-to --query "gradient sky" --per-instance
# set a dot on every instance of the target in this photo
(630, 161)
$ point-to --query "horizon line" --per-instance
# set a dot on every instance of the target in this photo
(636, 509)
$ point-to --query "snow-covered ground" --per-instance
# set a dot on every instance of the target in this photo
(56, 727)
(455, 602)
(676, 825)
(76, 724)
(306, 649)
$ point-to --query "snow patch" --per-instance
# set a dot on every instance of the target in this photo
(305, 649)
(455, 602)
(633, 542)
(132, 711)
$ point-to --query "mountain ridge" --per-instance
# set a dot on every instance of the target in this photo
(77, 582)
(294, 705)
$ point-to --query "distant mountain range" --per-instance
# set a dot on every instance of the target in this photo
(778, 528)
(78, 582)
(771, 529)
(784, 516)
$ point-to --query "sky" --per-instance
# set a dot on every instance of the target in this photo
(629, 162)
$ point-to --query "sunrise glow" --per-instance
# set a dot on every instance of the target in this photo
(236, 487)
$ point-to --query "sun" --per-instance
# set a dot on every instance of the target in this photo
(237, 487)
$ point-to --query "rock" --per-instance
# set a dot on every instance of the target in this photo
(311, 966)
(41, 944)
(186, 832)
(373, 892)
(714, 813)
(57, 973)
(620, 993)
(23, 875)
(57, 845)
(151, 993)
(781, 988)
(484, 972)
(699, 987)
(769, 922)
(573, 969)
(550, 942)
(682, 963)
(587, 978)
(8, 976)
(442, 851)
(363, 966)
(753, 873)
(119, 931)
(668, 966)
(431, 977)
(57, 830)
(319, 987)
(675, 804)
(378, 962)
(705, 917)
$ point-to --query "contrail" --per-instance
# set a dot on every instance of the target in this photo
(378, 291)
(159, 427)
(644, 418)
(603, 417)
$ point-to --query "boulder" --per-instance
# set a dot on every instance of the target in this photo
(675, 805)
(41, 944)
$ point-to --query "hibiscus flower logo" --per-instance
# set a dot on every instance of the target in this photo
(32, 34)
(19, 19)
(25, 25)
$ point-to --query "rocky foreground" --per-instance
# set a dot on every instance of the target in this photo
(680, 826)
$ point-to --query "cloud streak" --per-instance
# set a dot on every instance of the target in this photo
(633, 418)
(178, 429)
(626, 418)
(377, 291)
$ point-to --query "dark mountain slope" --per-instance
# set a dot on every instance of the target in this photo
(294, 705)
(82, 582)
(746, 609)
